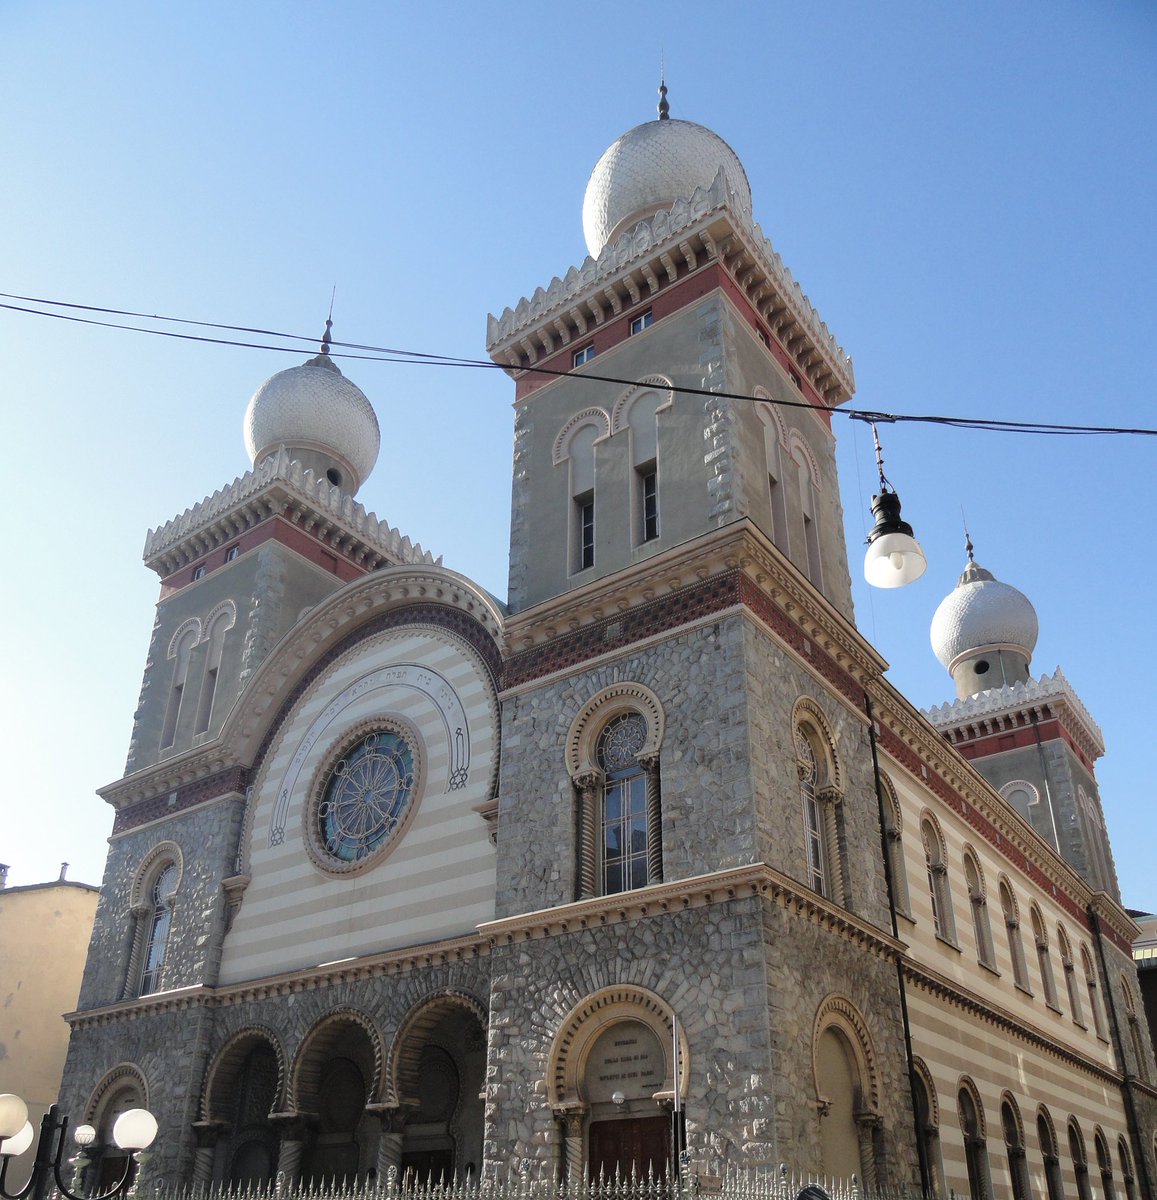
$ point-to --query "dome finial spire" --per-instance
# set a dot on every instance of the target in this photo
(967, 537)
(327, 337)
(664, 107)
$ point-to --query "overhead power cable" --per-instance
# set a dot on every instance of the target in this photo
(369, 353)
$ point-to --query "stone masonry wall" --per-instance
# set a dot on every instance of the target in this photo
(207, 837)
(706, 793)
(706, 963)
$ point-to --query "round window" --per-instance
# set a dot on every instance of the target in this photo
(365, 799)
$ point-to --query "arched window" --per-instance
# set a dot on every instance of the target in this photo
(1014, 1147)
(1044, 959)
(613, 759)
(217, 625)
(624, 852)
(820, 807)
(1070, 970)
(928, 1119)
(892, 832)
(1080, 1161)
(1104, 1165)
(978, 902)
(939, 891)
(772, 443)
(180, 649)
(813, 567)
(975, 1145)
(1015, 941)
(575, 446)
(1094, 998)
(1126, 1161)
(1134, 1030)
(160, 918)
(1046, 1136)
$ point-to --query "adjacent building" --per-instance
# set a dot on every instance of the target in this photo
(406, 877)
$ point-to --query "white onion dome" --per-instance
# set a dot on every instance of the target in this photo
(649, 168)
(323, 419)
(982, 613)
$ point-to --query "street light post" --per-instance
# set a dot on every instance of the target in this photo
(133, 1131)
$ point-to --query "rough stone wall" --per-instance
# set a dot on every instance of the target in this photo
(699, 677)
(805, 965)
(773, 683)
(207, 837)
(175, 1049)
(707, 963)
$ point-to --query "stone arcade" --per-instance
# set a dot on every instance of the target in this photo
(403, 877)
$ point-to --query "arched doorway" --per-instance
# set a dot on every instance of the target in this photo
(437, 1068)
(243, 1089)
(121, 1089)
(335, 1077)
(839, 1087)
(611, 1083)
(627, 1137)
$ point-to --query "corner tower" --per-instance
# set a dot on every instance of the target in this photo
(629, 440)
(1032, 739)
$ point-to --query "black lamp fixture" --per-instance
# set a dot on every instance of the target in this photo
(894, 556)
(133, 1131)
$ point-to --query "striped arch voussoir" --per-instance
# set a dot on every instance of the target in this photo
(228, 1060)
(807, 713)
(123, 1075)
(162, 852)
(406, 1050)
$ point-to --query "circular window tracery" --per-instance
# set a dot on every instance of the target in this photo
(621, 742)
(364, 798)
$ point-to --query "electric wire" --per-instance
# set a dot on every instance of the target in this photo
(387, 354)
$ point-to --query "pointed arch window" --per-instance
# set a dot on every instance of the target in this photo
(978, 902)
(1015, 941)
(1044, 958)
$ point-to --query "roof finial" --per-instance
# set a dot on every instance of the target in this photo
(967, 536)
(664, 107)
(326, 338)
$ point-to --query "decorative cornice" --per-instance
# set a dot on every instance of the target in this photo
(281, 486)
(669, 590)
(702, 228)
(719, 887)
(391, 962)
(1014, 698)
(944, 989)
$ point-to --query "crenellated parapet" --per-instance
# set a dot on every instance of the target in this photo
(281, 486)
(1050, 696)
(656, 253)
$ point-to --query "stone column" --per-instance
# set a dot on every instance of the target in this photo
(829, 799)
(588, 784)
(571, 1121)
(204, 1156)
(392, 1119)
(293, 1129)
(650, 764)
(866, 1126)
(137, 933)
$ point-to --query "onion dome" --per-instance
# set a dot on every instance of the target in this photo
(322, 418)
(652, 166)
(982, 613)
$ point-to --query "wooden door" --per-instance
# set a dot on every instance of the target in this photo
(639, 1145)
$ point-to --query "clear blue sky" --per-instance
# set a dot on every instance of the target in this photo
(965, 191)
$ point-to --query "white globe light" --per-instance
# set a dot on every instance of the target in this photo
(18, 1143)
(135, 1129)
(894, 560)
(84, 1135)
(13, 1114)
